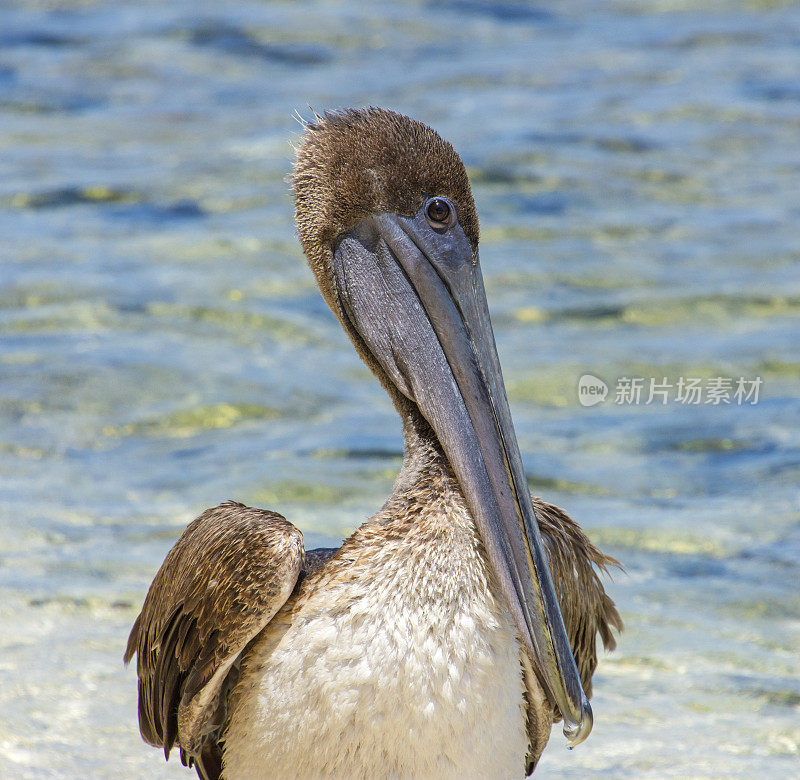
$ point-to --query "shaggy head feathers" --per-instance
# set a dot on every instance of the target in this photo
(358, 162)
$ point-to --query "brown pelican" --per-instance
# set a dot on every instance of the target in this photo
(431, 643)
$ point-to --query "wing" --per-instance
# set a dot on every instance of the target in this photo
(586, 607)
(231, 570)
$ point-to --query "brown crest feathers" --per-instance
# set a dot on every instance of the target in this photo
(358, 162)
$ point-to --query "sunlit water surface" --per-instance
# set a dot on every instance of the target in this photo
(636, 168)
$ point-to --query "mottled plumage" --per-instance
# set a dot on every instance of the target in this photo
(231, 570)
(396, 654)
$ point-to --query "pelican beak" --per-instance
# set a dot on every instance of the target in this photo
(414, 296)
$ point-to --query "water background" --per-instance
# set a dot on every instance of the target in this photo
(636, 167)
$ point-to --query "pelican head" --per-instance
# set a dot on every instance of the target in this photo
(387, 220)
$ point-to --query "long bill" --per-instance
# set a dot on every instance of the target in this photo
(415, 297)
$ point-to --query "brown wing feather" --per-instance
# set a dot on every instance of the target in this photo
(231, 570)
(586, 607)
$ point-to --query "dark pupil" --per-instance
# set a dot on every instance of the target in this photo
(438, 210)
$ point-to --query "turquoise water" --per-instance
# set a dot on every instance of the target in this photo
(163, 346)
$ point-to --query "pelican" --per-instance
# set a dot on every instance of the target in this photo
(453, 628)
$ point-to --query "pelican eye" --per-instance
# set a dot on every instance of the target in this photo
(440, 213)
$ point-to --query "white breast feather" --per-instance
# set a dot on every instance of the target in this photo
(413, 672)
